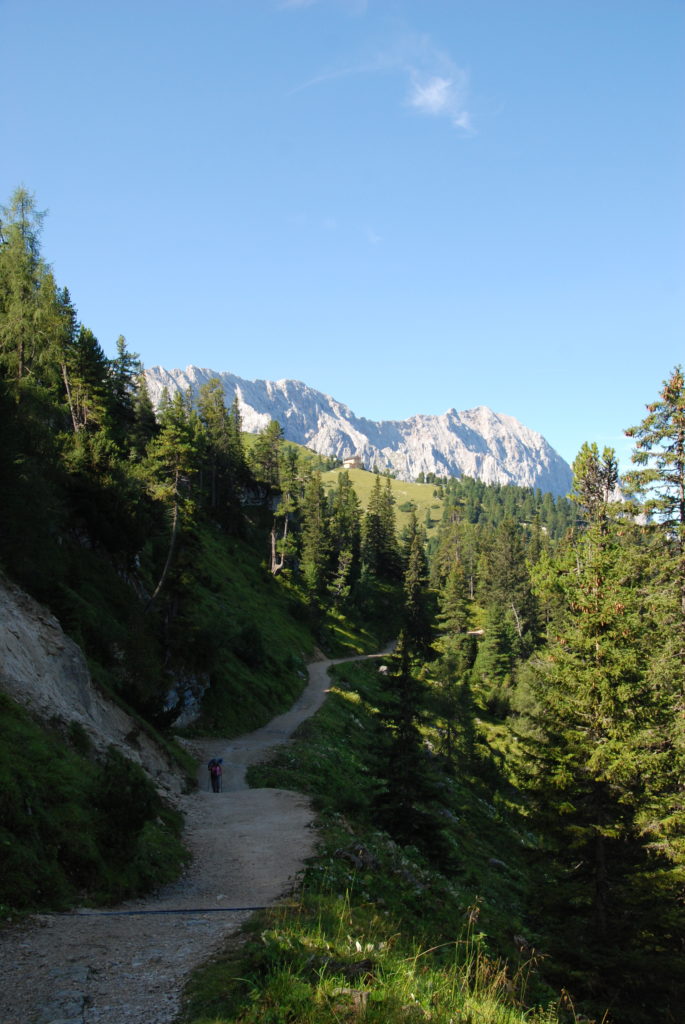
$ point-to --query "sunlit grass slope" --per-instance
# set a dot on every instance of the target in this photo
(378, 931)
(424, 498)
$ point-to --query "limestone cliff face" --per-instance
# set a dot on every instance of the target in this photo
(46, 672)
(478, 443)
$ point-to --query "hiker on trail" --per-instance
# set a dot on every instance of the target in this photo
(214, 767)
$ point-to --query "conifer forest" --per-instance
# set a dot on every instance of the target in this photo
(539, 655)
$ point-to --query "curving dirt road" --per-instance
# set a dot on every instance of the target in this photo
(131, 965)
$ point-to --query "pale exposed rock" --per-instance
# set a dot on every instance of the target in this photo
(478, 443)
(46, 672)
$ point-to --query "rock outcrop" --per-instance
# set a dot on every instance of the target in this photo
(42, 669)
(478, 443)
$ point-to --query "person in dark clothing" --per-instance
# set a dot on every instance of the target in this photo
(215, 773)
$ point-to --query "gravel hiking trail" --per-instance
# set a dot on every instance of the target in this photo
(131, 963)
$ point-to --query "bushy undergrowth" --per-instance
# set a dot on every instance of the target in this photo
(74, 828)
(380, 929)
(252, 634)
(234, 623)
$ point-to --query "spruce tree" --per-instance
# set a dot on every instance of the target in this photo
(265, 453)
(172, 465)
(506, 582)
(379, 540)
(27, 292)
(222, 471)
(457, 649)
(659, 480)
(404, 806)
(593, 732)
(345, 540)
(417, 617)
(314, 550)
(283, 543)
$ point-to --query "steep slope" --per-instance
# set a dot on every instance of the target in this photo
(46, 672)
(130, 965)
(479, 443)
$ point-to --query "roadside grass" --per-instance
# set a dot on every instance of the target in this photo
(378, 930)
(76, 827)
(329, 957)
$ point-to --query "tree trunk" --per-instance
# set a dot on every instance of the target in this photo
(67, 388)
(277, 564)
(170, 553)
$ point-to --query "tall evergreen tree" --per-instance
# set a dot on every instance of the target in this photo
(345, 539)
(223, 464)
(659, 480)
(265, 453)
(125, 372)
(283, 543)
(314, 551)
(594, 736)
(417, 617)
(506, 581)
(457, 649)
(379, 541)
(144, 425)
(173, 462)
(27, 294)
(404, 805)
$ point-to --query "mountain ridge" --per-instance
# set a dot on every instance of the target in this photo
(493, 447)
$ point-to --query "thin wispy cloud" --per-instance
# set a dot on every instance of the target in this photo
(440, 97)
(438, 87)
(435, 85)
(431, 97)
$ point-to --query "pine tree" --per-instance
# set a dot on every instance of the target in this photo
(236, 446)
(404, 805)
(506, 582)
(345, 540)
(315, 545)
(595, 478)
(90, 390)
(457, 649)
(265, 452)
(27, 293)
(144, 425)
(594, 731)
(379, 540)
(660, 479)
(173, 463)
(125, 372)
(417, 618)
(284, 547)
(223, 464)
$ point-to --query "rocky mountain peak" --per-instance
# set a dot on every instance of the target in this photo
(480, 443)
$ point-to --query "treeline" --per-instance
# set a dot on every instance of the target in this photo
(109, 508)
(479, 502)
(566, 660)
(548, 634)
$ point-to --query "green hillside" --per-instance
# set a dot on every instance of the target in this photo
(424, 499)
(513, 778)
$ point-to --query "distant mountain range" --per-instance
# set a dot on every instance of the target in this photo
(478, 443)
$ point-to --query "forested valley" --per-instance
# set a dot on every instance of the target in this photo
(523, 750)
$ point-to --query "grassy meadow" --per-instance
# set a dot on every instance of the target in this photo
(423, 498)
(380, 931)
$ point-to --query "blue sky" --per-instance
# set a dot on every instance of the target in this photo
(411, 206)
